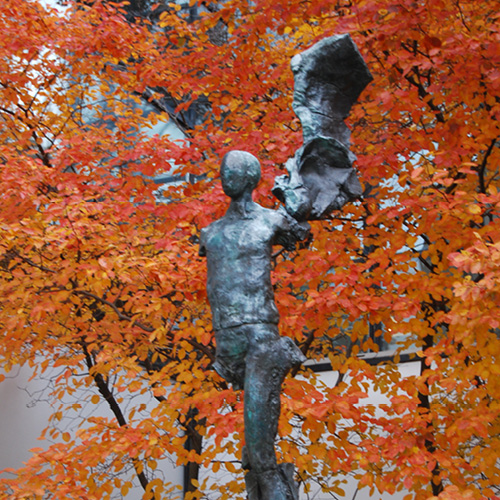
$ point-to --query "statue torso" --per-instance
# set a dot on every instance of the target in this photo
(238, 250)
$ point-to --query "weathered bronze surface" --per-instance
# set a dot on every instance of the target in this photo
(329, 77)
(250, 352)
(251, 355)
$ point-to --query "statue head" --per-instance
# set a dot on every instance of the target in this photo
(240, 173)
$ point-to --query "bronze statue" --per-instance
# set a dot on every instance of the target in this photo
(250, 354)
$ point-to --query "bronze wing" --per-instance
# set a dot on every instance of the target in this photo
(329, 77)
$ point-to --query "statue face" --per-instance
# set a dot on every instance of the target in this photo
(240, 173)
(233, 179)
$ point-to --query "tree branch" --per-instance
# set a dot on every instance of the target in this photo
(31, 263)
(482, 168)
(105, 392)
(204, 349)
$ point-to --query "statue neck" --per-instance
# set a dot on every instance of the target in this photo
(241, 206)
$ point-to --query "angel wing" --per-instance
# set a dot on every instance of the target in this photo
(329, 77)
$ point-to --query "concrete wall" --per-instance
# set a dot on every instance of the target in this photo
(24, 413)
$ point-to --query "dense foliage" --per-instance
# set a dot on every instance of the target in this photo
(102, 290)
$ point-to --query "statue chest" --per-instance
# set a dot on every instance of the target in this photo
(240, 239)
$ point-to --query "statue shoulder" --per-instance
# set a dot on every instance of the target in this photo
(212, 227)
(275, 217)
(205, 234)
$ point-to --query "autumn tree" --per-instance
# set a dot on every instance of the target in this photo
(101, 283)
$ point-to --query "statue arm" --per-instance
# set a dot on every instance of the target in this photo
(293, 193)
(290, 231)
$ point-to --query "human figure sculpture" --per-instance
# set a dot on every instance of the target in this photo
(250, 354)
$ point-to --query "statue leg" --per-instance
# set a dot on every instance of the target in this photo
(269, 359)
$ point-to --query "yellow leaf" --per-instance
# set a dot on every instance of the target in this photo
(474, 209)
